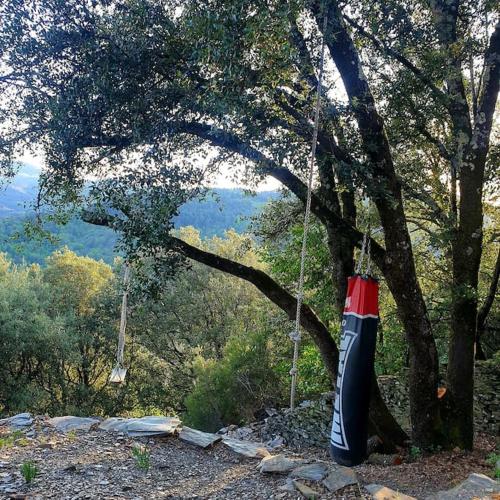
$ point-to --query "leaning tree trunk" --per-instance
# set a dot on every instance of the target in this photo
(399, 266)
(482, 314)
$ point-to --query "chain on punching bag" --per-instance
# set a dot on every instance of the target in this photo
(357, 353)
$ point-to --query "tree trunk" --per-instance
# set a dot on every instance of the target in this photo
(400, 269)
(381, 420)
(471, 145)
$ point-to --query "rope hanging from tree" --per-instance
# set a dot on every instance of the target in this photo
(365, 252)
(295, 335)
(119, 371)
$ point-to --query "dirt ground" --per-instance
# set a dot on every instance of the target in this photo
(100, 465)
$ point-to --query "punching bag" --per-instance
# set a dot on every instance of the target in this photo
(357, 353)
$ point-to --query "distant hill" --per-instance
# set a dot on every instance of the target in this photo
(16, 195)
(222, 209)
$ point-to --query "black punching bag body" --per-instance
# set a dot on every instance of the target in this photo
(357, 353)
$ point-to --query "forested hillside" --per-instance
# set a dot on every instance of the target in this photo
(220, 210)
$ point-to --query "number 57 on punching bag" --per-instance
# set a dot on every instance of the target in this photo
(357, 353)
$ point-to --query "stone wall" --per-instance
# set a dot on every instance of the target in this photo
(486, 397)
(309, 424)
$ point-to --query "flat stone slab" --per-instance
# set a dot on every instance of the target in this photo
(278, 464)
(145, 426)
(339, 477)
(199, 438)
(246, 448)
(475, 486)
(18, 421)
(311, 472)
(71, 423)
(383, 493)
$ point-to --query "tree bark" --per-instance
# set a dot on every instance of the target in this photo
(467, 246)
(400, 269)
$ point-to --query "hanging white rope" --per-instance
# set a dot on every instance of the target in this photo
(365, 252)
(295, 335)
(119, 372)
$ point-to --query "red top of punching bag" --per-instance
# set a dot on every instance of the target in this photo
(362, 296)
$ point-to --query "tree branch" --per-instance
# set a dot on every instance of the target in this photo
(263, 282)
(380, 46)
(486, 109)
(274, 292)
(482, 314)
(233, 143)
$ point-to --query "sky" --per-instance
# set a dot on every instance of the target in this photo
(222, 180)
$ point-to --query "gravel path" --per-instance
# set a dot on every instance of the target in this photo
(100, 465)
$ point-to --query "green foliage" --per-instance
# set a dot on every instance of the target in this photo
(494, 460)
(29, 471)
(313, 378)
(142, 457)
(415, 453)
(9, 440)
(59, 335)
(229, 390)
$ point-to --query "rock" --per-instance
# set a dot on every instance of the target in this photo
(243, 432)
(475, 486)
(145, 426)
(311, 472)
(70, 423)
(278, 464)
(275, 442)
(18, 421)
(383, 493)
(288, 486)
(265, 413)
(199, 438)
(246, 448)
(306, 491)
(339, 477)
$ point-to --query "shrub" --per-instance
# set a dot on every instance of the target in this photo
(230, 390)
